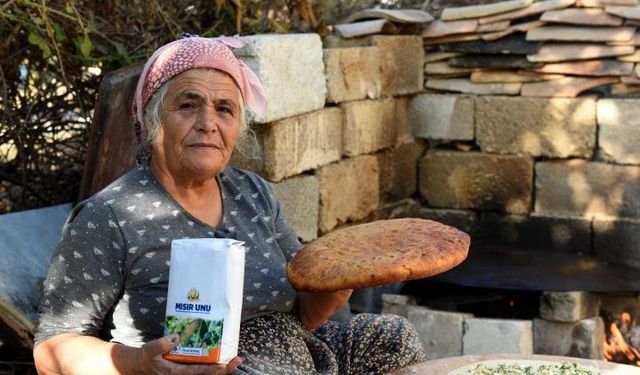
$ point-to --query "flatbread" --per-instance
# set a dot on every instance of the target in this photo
(377, 253)
(518, 366)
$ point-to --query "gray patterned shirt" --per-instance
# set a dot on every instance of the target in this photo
(108, 276)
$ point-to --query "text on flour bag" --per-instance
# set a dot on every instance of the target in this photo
(204, 299)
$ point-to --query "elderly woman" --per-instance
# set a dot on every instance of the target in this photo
(105, 293)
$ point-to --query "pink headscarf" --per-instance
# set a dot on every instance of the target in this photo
(195, 52)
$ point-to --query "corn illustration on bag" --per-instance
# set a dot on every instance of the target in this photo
(204, 299)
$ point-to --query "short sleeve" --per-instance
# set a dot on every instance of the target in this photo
(86, 273)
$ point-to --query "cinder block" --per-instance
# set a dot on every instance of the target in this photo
(569, 306)
(369, 125)
(497, 336)
(459, 180)
(581, 339)
(397, 304)
(291, 70)
(301, 143)
(464, 220)
(588, 189)
(446, 117)
(300, 198)
(440, 331)
(400, 209)
(567, 234)
(552, 127)
(619, 130)
(402, 58)
(352, 73)
(617, 240)
(349, 190)
(399, 171)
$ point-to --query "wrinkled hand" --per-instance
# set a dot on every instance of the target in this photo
(150, 360)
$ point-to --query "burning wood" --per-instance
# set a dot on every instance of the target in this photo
(617, 347)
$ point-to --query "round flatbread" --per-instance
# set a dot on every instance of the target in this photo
(377, 253)
(525, 366)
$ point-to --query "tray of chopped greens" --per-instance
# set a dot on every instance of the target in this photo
(525, 367)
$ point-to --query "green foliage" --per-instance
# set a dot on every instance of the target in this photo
(53, 55)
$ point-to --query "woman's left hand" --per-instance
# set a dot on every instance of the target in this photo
(316, 308)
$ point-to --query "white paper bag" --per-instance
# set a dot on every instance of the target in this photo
(204, 299)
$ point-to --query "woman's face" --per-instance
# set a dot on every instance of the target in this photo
(200, 122)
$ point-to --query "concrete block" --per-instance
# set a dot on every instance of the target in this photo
(619, 130)
(617, 240)
(440, 331)
(404, 134)
(335, 41)
(581, 339)
(397, 304)
(464, 220)
(459, 180)
(369, 125)
(358, 193)
(399, 171)
(569, 306)
(352, 73)
(552, 127)
(567, 234)
(291, 70)
(400, 209)
(587, 189)
(497, 336)
(300, 198)
(301, 143)
(446, 117)
(402, 58)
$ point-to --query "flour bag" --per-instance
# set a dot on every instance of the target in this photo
(204, 299)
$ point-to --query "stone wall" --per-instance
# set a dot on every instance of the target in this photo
(351, 136)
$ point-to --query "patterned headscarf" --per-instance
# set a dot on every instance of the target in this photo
(194, 52)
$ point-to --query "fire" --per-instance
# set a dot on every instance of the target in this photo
(616, 347)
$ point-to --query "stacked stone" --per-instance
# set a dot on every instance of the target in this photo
(335, 140)
(548, 48)
(569, 325)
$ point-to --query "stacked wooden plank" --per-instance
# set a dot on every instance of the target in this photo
(557, 48)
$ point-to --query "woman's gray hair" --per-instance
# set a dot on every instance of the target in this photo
(153, 114)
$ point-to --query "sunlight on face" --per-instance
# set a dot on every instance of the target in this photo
(199, 125)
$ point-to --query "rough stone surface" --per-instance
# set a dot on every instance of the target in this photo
(400, 209)
(357, 196)
(300, 198)
(352, 73)
(369, 125)
(478, 181)
(301, 143)
(397, 304)
(402, 57)
(579, 16)
(553, 52)
(567, 234)
(291, 70)
(440, 331)
(538, 127)
(404, 134)
(483, 10)
(464, 220)
(399, 171)
(603, 67)
(619, 130)
(581, 34)
(464, 85)
(497, 336)
(439, 28)
(535, 8)
(617, 240)
(447, 117)
(567, 87)
(587, 189)
(27, 240)
(569, 306)
(581, 339)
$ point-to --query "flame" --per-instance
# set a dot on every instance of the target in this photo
(616, 347)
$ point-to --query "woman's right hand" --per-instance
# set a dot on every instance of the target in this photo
(150, 360)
